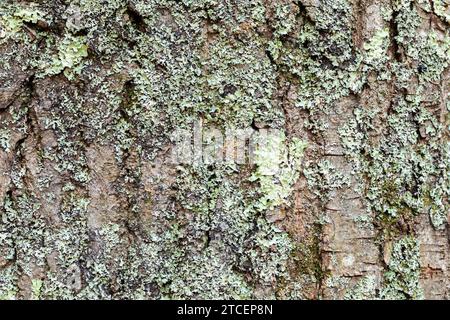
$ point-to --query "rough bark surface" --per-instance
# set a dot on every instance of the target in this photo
(93, 207)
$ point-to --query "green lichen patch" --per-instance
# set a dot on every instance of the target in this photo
(277, 169)
(5, 139)
(365, 289)
(401, 280)
(12, 19)
(376, 48)
(71, 53)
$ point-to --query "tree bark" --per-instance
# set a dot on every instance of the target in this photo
(93, 205)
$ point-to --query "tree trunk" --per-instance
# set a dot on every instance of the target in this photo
(342, 191)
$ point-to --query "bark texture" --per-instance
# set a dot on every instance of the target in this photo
(92, 207)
